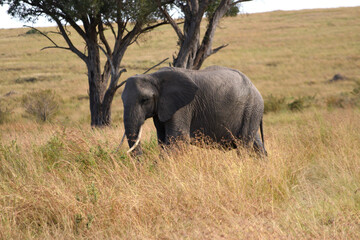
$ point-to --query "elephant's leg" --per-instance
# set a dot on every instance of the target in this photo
(247, 129)
(248, 134)
(178, 128)
(175, 132)
(160, 130)
(259, 146)
(161, 136)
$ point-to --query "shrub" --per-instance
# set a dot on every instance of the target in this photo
(4, 114)
(274, 104)
(33, 31)
(344, 100)
(41, 104)
(356, 93)
(335, 101)
(301, 103)
(52, 151)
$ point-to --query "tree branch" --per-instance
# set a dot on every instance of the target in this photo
(172, 23)
(103, 38)
(215, 50)
(114, 76)
(155, 65)
(63, 32)
(42, 34)
(149, 28)
(118, 75)
(205, 49)
(65, 15)
(113, 69)
(69, 42)
(108, 23)
(55, 45)
(239, 1)
(58, 47)
(122, 83)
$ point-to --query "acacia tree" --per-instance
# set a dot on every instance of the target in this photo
(192, 53)
(127, 19)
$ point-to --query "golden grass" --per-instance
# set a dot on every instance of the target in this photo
(70, 184)
(63, 180)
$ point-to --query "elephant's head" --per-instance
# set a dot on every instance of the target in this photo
(158, 94)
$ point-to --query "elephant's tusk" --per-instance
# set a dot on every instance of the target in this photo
(136, 143)
(121, 142)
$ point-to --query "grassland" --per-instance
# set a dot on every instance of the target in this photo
(63, 180)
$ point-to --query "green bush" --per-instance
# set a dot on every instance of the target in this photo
(301, 103)
(356, 93)
(274, 104)
(344, 100)
(32, 31)
(41, 104)
(52, 151)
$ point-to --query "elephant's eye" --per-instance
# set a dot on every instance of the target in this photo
(145, 100)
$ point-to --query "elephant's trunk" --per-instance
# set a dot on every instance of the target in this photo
(136, 142)
(133, 134)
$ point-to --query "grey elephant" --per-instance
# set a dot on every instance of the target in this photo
(218, 102)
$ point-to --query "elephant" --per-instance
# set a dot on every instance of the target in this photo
(218, 102)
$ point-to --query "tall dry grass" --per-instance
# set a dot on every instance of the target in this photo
(63, 180)
(72, 185)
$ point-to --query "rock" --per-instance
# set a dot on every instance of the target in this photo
(337, 77)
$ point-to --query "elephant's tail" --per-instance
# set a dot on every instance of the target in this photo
(262, 136)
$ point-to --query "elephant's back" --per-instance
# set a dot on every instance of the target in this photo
(224, 98)
(223, 85)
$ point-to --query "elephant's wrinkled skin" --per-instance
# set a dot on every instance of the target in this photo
(218, 102)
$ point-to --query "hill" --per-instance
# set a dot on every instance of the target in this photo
(62, 180)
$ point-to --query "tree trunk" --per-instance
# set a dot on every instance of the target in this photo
(100, 114)
(189, 46)
(205, 50)
(192, 54)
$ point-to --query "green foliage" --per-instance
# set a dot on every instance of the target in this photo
(274, 104)
(356, 92)
(93, 193)
(11, 160)
(151, 145)
(41, 104)
(138, 10)
(32, 31)
(344, 100)
(85, 160)
(52, 151)
(301, 103)
(232, 12)
(100, 153)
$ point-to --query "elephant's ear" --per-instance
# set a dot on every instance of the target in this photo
(176, 91)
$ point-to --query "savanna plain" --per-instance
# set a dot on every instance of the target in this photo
(61, 179)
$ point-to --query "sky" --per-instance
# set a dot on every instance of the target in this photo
(255, 6)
